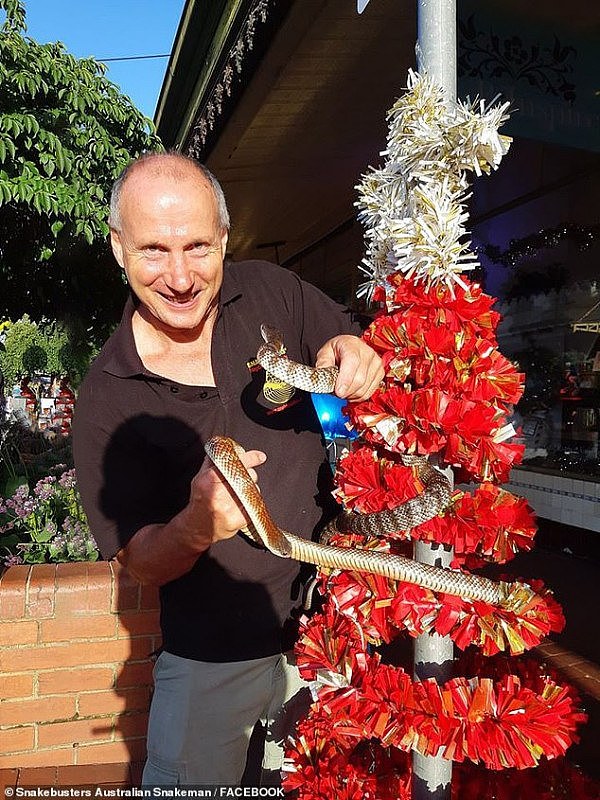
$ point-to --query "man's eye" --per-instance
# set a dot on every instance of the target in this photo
(204, 249)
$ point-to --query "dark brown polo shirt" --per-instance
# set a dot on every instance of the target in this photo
(138, 441)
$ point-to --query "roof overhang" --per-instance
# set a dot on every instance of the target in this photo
(286, 100)
(305, 111)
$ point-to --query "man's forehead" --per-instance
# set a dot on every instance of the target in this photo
(170, 176)
(160, 192)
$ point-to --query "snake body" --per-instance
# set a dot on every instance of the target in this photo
(409, 514)
(271, 357)
(223, 452)
(404, 517)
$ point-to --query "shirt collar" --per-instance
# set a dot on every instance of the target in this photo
(231, 289)
(122, 359)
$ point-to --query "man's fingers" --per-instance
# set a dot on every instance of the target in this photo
(251, 459)
(326, 357)
(360, 368)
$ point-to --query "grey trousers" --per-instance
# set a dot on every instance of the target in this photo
(203, 714)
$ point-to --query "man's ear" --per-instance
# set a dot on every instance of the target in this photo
(117, 247)
(224, 240)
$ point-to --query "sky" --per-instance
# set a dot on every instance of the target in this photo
(113, 29)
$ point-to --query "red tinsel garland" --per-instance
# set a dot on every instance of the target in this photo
(372, 772)
(500, 723)
(465, 433)
(322, 768)
(448, 391)
(489, 525)
(381, 607)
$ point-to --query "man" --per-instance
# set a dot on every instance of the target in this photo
(179, 369)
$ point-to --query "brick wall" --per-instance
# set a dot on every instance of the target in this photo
(75, 665)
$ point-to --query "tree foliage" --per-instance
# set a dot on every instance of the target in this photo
(52, 348)
(66, 132)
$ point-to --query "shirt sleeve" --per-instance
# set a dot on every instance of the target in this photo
(91, 432)
(115, 476)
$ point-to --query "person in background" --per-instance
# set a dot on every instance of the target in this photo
(179, 369)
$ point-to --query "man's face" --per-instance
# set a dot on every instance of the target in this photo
(171, 248)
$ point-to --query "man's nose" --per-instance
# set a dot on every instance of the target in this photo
(179, 276)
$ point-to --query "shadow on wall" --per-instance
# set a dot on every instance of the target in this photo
(136, 608)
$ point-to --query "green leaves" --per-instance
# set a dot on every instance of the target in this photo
(15, 15)
(7, 149)
(66, 133)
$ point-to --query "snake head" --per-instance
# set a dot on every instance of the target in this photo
(272, 337)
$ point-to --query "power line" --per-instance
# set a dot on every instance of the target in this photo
(135, 58)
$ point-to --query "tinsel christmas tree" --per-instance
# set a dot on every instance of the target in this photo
(448, 394)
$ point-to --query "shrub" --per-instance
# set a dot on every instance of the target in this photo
(27, 455)
(46, 525)
(48, 347)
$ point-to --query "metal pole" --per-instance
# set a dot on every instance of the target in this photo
(436, 42)
(433, 654)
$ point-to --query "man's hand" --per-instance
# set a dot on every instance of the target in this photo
(213, 502)
(360, 368)
(160, 553)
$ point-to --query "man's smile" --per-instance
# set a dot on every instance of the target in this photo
(180, 299)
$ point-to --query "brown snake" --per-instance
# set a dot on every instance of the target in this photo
(223, 452)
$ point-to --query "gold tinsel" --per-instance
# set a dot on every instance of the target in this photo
(414, 207)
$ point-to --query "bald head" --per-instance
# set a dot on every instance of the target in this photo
(172, 166)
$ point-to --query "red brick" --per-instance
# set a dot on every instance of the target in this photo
(84, 588)
(40, 758)
(20, 685)
(96, 703)
(149, 598)
(41, 591)
(16, 739)
(550, 648)
(126, 596)
(94, 774)
(18, 632)
(590, 686)
(111, 651)
(38, 776)
(75, 572)
(46, 709)
(137, 623)
(132, 726)
(71, 628)
(139, 674)
(59, 681)
(142, 647)
(13, 591)
(588, 669)
(8, 777)
(112, 752)
(137, 769)
(75, 732)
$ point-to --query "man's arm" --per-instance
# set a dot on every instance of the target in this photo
(158, 554)
(161, 553)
